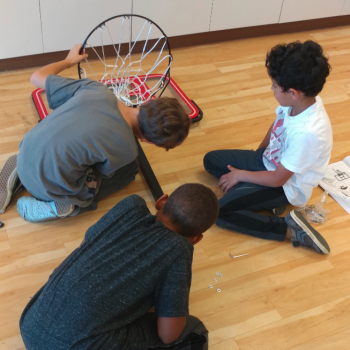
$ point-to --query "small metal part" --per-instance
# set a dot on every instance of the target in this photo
(215, 279)
(221, 275)
(1, 224)
(217, 273)
(210, 286)
(237, 256)
(218, 290)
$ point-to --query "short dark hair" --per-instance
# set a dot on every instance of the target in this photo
(192, 208)
(300, 66)
(164, 122)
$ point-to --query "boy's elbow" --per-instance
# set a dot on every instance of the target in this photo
(278, 180)
(170, 335)
(33, 78)
(167, 339)
(170, 328)
(37, 80)
(278, 183)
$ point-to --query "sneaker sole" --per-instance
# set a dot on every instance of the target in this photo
(8, 177)
(312, 233)
(63, 211)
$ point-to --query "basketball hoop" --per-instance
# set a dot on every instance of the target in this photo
(124, 52)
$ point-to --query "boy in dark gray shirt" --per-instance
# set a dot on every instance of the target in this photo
(129, 261)
(85, 149)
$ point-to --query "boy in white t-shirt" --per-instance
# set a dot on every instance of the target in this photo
(290, 160)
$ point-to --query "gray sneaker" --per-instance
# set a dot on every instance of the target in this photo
(304, 234)
(34, 210)
(9, 182)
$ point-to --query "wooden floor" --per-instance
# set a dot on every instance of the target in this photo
(277, 297)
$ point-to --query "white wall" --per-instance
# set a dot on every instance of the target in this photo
(229, 14)
(300, 10)
(176, 17)
(30, 27)
(68, 22)
(346, 8)
(20, 31)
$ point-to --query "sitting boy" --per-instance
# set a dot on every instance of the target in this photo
(291, 159)
(86, 148)
(129, 261)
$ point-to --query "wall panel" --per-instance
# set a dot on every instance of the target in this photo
(20, 31)
(228, 14)
(301, 10)
(68, 22)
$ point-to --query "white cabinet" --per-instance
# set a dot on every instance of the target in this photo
(346, 8)
(300, 10)
(68, 22)
(176, 17)
(20, 31)
(229, 14)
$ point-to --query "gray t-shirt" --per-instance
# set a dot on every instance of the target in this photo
(93, 300)
(84, 129)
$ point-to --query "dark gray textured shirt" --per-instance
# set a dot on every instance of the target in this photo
(128, 263)
(84, 129)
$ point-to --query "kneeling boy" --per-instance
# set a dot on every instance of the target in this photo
(129, 261)
(85, 149)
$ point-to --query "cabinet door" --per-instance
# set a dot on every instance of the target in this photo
(300, 10)
(228, 14)
(20, 32)
(346, 8)
(68, 22)
(176, 17)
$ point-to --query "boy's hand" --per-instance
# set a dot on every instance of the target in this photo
(229, 180)
(39, 77)
(74, 57)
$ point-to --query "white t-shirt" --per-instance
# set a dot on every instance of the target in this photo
(303, 145)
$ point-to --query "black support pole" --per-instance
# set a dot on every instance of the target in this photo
(148, 173)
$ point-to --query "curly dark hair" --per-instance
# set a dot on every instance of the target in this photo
(164, 122)
(193, 208)
(300, 66)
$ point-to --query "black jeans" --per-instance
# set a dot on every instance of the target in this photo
(121, 178)
(239, 205)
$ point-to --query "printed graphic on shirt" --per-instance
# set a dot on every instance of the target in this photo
(273, 152)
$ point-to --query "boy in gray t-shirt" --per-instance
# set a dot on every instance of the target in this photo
(129, 261)
(86, 148)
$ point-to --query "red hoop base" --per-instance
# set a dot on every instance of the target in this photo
(195, 113)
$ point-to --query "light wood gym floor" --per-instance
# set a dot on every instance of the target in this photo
(277, 297)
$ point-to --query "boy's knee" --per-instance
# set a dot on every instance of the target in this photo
(208, 160)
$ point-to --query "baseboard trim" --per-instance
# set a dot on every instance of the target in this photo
(195, 39)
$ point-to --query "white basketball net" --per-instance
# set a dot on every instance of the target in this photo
(135, 77)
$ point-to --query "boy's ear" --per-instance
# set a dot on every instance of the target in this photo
(295, 93)
(161, 201)
(196, 239)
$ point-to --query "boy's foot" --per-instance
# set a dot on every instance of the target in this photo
(304, 234)
(9, 182)
(34, 210)
(279, 210)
